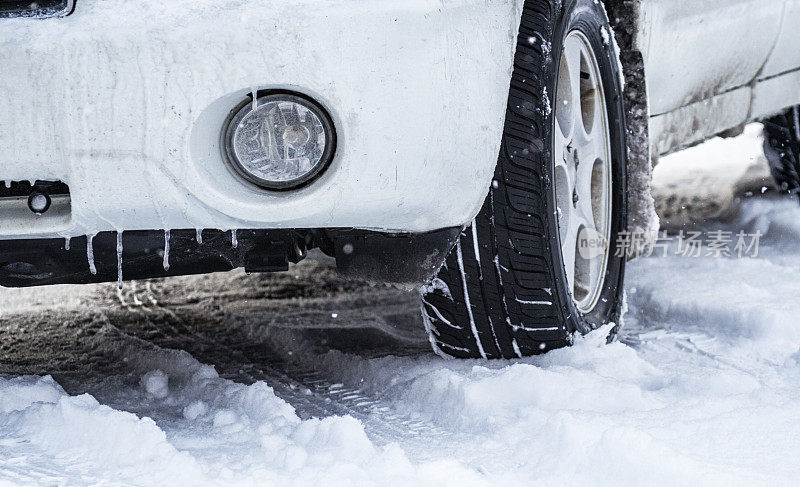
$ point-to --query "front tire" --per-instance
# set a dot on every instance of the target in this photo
(523, 277)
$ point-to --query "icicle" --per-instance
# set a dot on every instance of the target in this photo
(254, 93)
(119, 260)
(90, 253)
(166, 250)
(199, 235)
(66, 242)
(234, 240)
(8, 183)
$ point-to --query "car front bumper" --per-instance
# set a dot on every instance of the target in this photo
(124, 101)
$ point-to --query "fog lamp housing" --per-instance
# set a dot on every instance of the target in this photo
(279, 141)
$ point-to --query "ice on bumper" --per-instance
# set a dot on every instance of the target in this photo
(137, 94)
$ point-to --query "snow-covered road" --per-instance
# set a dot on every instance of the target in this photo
(304, 379)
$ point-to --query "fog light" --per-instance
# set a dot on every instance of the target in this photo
(282, 141)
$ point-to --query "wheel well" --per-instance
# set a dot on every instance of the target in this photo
(624, 17)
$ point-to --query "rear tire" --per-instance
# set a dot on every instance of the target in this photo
(504, 291)
(782, 148)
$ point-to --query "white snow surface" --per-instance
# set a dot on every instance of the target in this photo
(701, 389)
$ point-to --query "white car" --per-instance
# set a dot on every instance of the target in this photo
(150, 138)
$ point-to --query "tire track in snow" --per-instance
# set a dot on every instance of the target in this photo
(311, 391)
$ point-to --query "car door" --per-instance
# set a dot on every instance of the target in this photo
(701, 57)
(785, 56)
(778, 85)
(700, 48)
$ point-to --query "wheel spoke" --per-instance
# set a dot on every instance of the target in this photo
(563, 178)
(559, 149)
(572, 55)
(568, 96)
(589, 155)
(568, 247)
(590, 148)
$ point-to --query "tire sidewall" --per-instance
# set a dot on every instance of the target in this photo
(590, 19)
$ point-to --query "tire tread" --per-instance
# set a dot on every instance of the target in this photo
(503, 294)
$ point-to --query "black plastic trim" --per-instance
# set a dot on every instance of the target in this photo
(360, 254)
(40, 9)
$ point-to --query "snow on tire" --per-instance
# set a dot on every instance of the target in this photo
(524, 275)
(782, 148)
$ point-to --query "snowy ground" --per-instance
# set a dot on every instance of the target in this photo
(303, 379)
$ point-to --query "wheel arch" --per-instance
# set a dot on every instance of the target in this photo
(626, 20)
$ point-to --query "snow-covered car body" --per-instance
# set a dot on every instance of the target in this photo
(122, 103)
(713, 65)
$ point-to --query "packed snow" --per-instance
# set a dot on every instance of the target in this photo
(700, 389)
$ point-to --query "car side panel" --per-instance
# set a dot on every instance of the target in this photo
(786, 54)
(697, 49)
